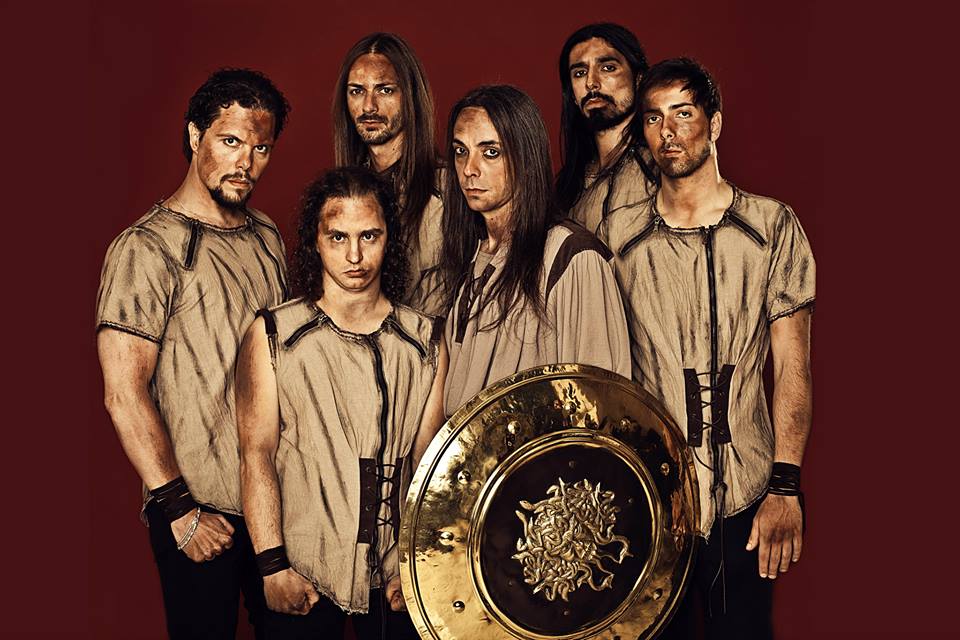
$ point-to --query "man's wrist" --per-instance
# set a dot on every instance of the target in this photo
(271, 561)
(784, 479)
(174, 499)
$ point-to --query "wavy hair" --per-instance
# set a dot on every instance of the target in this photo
(526, 149)
(306, 272)
(414, 175)
(577, 145)
(248, 88)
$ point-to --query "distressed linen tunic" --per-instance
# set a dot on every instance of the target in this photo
(424, 292)
(347, 402)
(625, 184)
(586, 322)
(700, 303)
(193, 288)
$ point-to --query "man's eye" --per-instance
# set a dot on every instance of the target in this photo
(491, 153)
(653, 119)
(684, 114)
(368, 237)
(337, 237)
(579, 73)
(386, 90)
(262, 148)
(231, 141)
(354, 91)
(459, 151)
(609, 67)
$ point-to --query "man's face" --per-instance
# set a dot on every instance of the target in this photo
(603, 83)
(351, 241)
(480, 163)
(232, 153)
(374, 99)
(677, 131)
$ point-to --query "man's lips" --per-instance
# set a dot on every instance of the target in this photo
(355, 273)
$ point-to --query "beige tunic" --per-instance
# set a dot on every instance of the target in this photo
(625, 185)
(424, 292)
(342, 395)
(586, 322)
(194, 289)
(700, 303)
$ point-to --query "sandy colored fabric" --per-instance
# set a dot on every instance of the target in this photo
(585, 319)
(194, 288)
(624, 185)
(424, 292)
(330, 410)
(764, 269)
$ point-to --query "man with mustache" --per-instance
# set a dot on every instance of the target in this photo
(177, 291)
(605, 165)
(714, 278)
(383, 119)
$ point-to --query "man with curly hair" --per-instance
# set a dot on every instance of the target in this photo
(177, 291)
(337, 390)
(383, 120)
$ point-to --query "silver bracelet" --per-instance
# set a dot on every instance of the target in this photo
(192, 529)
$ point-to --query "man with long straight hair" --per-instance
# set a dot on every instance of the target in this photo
(605, 165)
(383, 119)
(525, 287)
(178, 289)
(715, 278)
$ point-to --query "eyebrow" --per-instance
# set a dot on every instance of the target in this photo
(579, 64)
(376, 86)
(484, 143)
(671, 107)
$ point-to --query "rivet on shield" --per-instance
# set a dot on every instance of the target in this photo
(446, 536)
(656, 594)
(512, 427)
(665, 469)
(569, 406)
(625, 423)
(572, 464)
(463, 477)
(458, 605)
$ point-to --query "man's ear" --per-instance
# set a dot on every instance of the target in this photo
(195, 135)
(716, 124)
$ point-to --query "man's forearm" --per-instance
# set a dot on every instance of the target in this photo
(261, 499)
(143, 436)
(792, 388)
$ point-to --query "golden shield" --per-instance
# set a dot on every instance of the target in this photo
(559, 503)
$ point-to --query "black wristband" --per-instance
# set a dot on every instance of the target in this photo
(785, 479)
(270, 561)
(174, 499)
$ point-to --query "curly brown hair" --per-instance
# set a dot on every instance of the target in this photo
(347, 182)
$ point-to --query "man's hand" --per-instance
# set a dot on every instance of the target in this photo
(778, 529)
(213, 535)
(395, 595)
(289, 592)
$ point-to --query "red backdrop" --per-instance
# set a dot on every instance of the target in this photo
(802, 122)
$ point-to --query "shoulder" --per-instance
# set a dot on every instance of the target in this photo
(764, 215)
(284, 319)
(424, 328)
(156, 234)
(625, 225)
(566, 241)
(262, 221)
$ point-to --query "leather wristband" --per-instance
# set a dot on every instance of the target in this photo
(174, 499)
(271, 561)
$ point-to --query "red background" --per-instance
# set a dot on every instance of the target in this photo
(816, 98)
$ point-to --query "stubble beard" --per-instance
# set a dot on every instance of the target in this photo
(383, 136)
(684, 167)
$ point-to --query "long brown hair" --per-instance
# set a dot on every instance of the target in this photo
(414, 175)
(534, 210)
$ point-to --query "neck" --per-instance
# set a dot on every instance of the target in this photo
(356, 311)
(499, 229)
(608, 144)
(193, 199)
(383, 156)
(697, 200)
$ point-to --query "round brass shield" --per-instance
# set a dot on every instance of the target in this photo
(559, 503)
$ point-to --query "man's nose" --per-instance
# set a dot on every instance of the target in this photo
(370, 102)
(593, 79)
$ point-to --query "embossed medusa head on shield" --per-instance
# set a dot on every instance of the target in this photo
(564, 539)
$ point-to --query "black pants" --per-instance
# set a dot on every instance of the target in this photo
(326, 622)
(202, 599)
(745, 613)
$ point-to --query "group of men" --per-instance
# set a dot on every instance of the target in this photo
(272, 417)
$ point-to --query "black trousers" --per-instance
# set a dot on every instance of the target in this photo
(326, 621)
(744, 612)
(202, 599)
